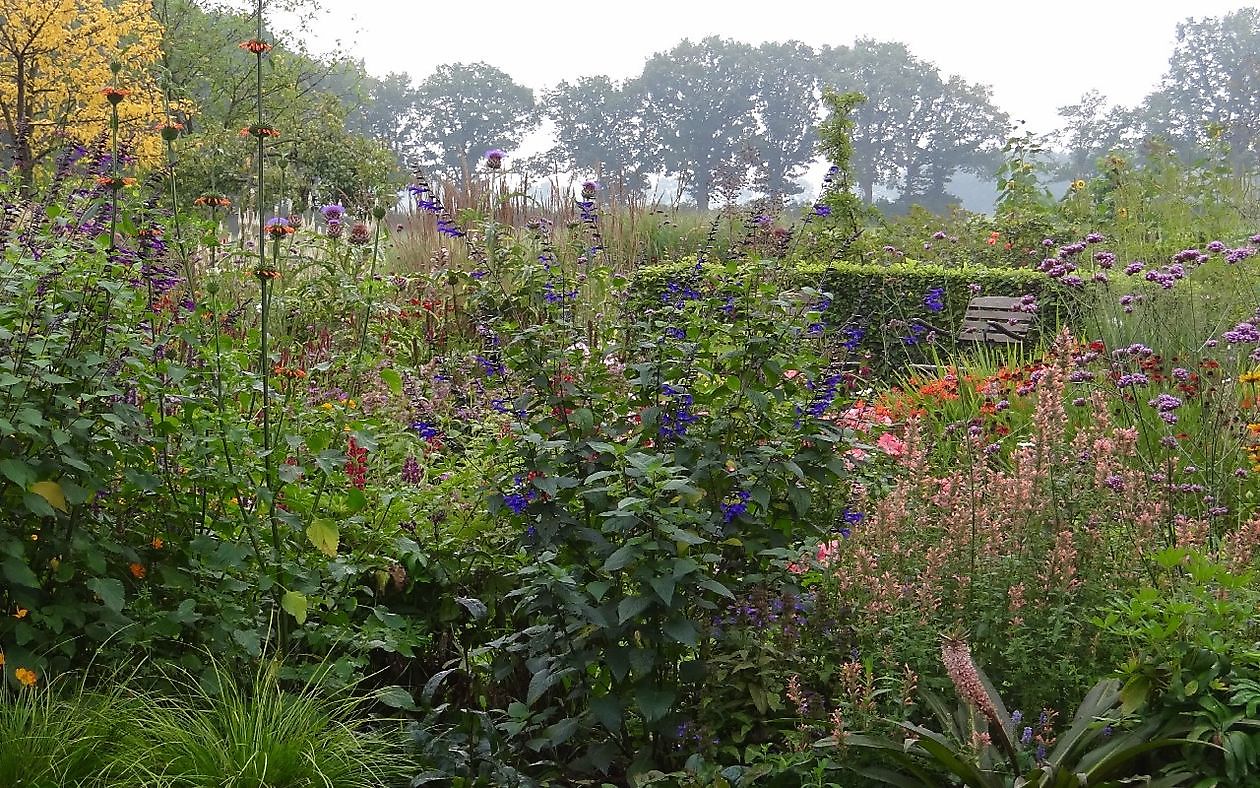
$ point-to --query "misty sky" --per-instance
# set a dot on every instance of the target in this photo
(1036, 55)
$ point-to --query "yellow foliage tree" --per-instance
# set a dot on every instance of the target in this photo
(55, 58)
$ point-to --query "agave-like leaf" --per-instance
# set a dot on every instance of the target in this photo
(1120, 754)
(894, 751)
(943, 752)
(1004, 730)
(890, 777)
(1101, 699)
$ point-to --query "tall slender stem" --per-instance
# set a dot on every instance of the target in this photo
(114, 181)
(264, 281)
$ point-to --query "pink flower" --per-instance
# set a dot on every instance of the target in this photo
(891, 445)
(826, 550)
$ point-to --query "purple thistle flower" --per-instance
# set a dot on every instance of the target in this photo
(411, 470)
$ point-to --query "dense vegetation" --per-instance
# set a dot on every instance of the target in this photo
(309, 482)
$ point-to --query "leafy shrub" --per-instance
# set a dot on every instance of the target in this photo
(1194, 665)
(655, 471)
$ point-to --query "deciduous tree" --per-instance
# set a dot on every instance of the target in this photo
(55, 58)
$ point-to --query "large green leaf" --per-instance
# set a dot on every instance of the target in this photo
(110, 590)
(294, 603)
(324, 535)
(51, 491)
(654, 703)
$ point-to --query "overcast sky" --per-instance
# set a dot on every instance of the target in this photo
(1036, 56)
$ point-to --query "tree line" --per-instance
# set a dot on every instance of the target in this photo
(714, 114)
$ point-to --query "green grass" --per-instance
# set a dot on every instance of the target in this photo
(50, 739)
(256, 734)
(250, 733)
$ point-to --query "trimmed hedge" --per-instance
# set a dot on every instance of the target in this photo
(873, 308)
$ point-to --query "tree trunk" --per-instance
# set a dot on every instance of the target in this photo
(22, 130)
(701, 190)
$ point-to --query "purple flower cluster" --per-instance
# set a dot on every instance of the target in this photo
(934, 300)
(1243, 332)
(425, 430)
(519, 499)
(853, 336)
(679, 293)
(824, 394)
(411, 470)
(735, 506)
(676, 413)
(1166, 405)
(553, 296)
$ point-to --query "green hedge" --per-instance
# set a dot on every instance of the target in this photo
(881, 302)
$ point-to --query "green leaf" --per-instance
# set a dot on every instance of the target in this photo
(631, 607)
(1134, 693)
(392, 379)
(539, 683)
(248, 639)
(395, 697)
(800, 499)
(681, 630)
(18, 573)
(621, 557)
(562, 731)
(664, 587)
(294, 603)
(608, 711)
(323, 534)
(653, 703)
(51, 492)
(17, 472)
(109, 590)
(356, 500)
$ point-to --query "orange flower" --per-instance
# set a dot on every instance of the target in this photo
(1, 659)
(114, 183)
(255, 46)
(260, 131)
(26, 677)
(138, 571)
(115, 95)
(993, 238)
(21, 613)
(213, 201)
(157, 543)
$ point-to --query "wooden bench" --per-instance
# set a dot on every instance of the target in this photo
(995, 319)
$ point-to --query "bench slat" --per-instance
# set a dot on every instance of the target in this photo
(997, 314)
(1000, 302)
